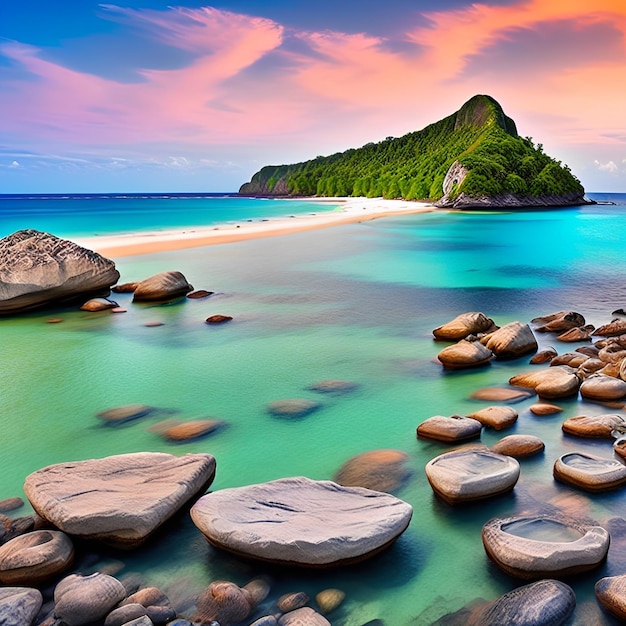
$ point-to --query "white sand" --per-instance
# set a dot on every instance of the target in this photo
(350, 211)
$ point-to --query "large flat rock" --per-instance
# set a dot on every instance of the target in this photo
(299, 521)
(39, 269)
(120, 500)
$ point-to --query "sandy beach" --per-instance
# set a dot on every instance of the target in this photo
(349, 211)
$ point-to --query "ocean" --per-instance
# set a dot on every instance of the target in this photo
(356, 302)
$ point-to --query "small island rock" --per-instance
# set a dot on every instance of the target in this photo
(162, 287)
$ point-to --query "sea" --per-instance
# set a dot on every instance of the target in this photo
(356, 302)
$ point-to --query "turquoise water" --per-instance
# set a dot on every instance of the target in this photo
(355, 302)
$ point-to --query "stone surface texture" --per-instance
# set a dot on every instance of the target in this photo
(511, 341)
(19, 605)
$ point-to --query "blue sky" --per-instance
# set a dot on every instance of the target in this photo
(149, 96)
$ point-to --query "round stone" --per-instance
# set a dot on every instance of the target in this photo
(544, 408)
(611, 594)
(559, 381)
(602, 387)
(305, 616)
(189, 431)
(589, 472)
(465, 354)
(380, 470)
(496, 417)
(519, 446)
(329, 599)
(451, 429)
(333, 386)
(292, 407)
(461, 326)
(593, 426)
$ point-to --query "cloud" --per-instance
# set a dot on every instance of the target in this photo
(610, 166)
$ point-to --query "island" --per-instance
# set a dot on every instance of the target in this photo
(473, 158)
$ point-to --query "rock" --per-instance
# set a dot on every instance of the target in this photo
(39, 269)
(153, 324)
(577, 334)
(615, 328)
(543, 356)
(611, 594)
(218, 319)
(35, 557)
(126, 413)
(120, 500)
(11, 504)
(536, 546)
(558, 322)
(119, 309)
(140, 621)
(473, 474)
(200, 293)
(299, 521)
(589, 472)
(305, 616)
(551, 383)
(329, 599)
(124, 614)
(292, 601)
(544, 408)
(511, 341)
(542, 603)
(224, 602)
(19, 606)
(601, 387)
(519, 446)
(98, 304)
(125, 288)
(189, 431)
(463, 325)
(496, 417)
(590, 366)
(266, 620)
(333, 386)
(81, 600)
(380, 470)
(593, 426)
(573, 359)
(292, 407)
(148, 596)
(465, 354)
(162, 287)
(453, 429)
(501, 394)
(256, 591)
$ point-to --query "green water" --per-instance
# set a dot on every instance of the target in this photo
(355, 302)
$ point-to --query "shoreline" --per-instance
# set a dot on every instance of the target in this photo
(349, 211)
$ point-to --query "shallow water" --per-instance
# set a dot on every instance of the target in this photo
(355, 302)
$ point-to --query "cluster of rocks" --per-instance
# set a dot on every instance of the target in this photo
(122, 501)
(40, 270)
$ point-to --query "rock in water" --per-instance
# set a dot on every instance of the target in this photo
(39, 269)
(299, 521)
(162, 287)
(120, 500)
(19, 605)
(611, 594)
(511, 341)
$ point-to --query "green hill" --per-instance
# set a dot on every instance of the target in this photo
(472, 158)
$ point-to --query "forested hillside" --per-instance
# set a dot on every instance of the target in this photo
(473, 157)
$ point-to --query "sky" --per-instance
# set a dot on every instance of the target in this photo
(197, 96)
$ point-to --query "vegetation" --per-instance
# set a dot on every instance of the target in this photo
(479, 137)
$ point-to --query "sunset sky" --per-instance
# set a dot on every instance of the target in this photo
(152, 96)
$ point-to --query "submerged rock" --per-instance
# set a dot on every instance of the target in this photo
(380, 470)
(292, 407)
(38, 269)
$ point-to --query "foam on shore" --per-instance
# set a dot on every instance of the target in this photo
(349, 211)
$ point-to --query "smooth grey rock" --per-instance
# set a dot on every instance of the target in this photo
(301, 521)
(473, 474)
(542, 603)
(19, 606)
(38, 269)
(531, 547)
(124, 614)
(511, 341)
(140, 621)
(80, 600)
(35, 557)
(589, 472)
(305, 616)
(120, 500)
(162, 288)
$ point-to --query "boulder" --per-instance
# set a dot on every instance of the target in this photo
(98, 304)
(511, 341)
(558, 322)
(292, 407)
(611, 594)
(551, 383)
(19, 606)
(573, 359)
(593, 426)
(379, 470)
(574, 335)
(162, 287)
(125, 288)
(496, 417)
(543, 356)
(542, 603)
(613, 329)
(536, 546)
(461, 326)
(451, 429)
(464, 354)
(38, 269)
(35, 557)
(224, 602)
(82, 600)
(120, 500)
(519, 446)
(298, 521)
(473, 474)
(305, 616)
(601, 387)
(589, 472)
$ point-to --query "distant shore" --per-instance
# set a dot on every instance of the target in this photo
(349, 211)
